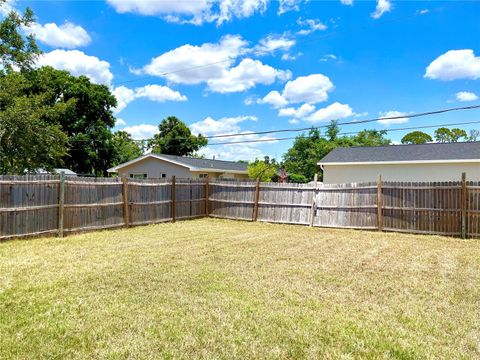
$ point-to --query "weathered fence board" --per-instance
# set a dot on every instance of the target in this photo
(33, 205)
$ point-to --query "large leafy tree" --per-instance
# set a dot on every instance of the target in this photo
(416, 137)
(17, 51)
(444, 134)
(302, 158)
(175, 138)
(27, 141)
(87, 122)
(125, 148)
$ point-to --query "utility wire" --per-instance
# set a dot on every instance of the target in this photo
(353, 122)
(346, 133)
(342, 134)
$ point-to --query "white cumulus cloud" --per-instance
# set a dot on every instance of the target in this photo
(309, 89)
(67, 35)
(399, 117)
(194, 12)
(214, 64)
(273, 98)
(245, 76)
(156, 93)
(120, 122)
(297, 113)
(335, 111)
(454, 65)
(383, 6)
(347, 2)
(78, 63)
(141, 131)
(226, 125)
(466, 96)
(272, 43)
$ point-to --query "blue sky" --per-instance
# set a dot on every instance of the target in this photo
(277, 65)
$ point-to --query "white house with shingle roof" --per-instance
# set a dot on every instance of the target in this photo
(416, 163)
(166, 166)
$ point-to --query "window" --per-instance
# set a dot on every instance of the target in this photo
(203, 176)
(138, 176)
(163, 175)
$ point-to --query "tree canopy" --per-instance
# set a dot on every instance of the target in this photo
(308, 149)
(175, 138)
(444, 134)
(416, 137)
(125, 148)
(265, 170)
(17, 51)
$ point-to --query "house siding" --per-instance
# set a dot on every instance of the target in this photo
(337, 174)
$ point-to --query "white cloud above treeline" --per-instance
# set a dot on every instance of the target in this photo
(67, 35)
(198, 12)
(156, 93)
(214, 65)
(454, 65)
(78, 63)
(399, 117)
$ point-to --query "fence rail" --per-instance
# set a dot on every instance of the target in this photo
(41, 205)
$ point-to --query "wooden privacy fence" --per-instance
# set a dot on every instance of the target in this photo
(37, 205)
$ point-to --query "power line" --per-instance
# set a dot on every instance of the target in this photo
(346, 133)
(354, 122)
(428, 113)
(342, 133)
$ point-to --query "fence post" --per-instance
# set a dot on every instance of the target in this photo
(61, 203)
(126, 207)
(464, 205)
(379, 204)
(255, 205)
(312, 209)
(206, 196)
(174, 210)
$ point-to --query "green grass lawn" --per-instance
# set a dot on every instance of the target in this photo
(225, 289)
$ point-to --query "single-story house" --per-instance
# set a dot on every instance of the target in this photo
(166, 166)
(416, 163)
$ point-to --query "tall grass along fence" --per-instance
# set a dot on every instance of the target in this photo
(37, 205)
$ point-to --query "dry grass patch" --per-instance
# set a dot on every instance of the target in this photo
(224, 289)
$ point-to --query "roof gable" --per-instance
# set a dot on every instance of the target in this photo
(434, 152)
(193, 164)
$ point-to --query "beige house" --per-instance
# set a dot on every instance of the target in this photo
(416, 163)
(166, 166)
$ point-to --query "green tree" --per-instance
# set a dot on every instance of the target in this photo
(27, 141)
(175, 138)
(17, 51)
(416, 137)
(265, 169)
(125, 148)
(370, 138)
(306, 151)
(457, 134)
(87, 122)
(443, 135)
(332, 130)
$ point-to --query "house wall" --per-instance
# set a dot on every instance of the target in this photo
(155, 167)
(336, 174)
